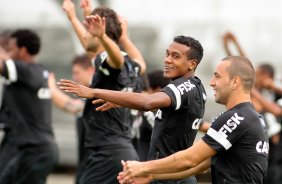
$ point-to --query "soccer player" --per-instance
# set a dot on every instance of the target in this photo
(28, 110)
(180, 104)
(107, 133)
(82, 72)
(235, 146)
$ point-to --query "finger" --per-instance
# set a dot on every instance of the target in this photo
(86, 25)
(123, 163)
(102, 108)
(106, 106)
(67, 89)
(68, 82)
(98, 101)
(64, 84)
(126, 179)
(104, 20)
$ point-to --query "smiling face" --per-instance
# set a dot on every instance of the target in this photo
(176, 63)
(221, 83)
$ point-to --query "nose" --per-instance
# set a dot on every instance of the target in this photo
(167, 60)
(212, 82)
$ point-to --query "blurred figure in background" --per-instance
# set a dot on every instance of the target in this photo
(264, 102)
(82, 72)
(107, 133)
(8, 148)
(264, 83)
(28, 110)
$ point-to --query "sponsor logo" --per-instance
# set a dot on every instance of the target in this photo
(230, 125)
(185, 86)
(159, 114)
(196, 124)
(262, 147)
(127, 89)
(150, 117)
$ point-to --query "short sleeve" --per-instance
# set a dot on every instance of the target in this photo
(225, 131)
(30, 74)
(180, 91)
(10, 71)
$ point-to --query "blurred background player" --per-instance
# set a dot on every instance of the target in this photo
(82, 72)
(28, 111)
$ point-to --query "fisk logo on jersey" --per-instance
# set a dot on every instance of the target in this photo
(185, 86)
(230, 125)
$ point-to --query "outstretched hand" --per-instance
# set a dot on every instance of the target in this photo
(68, 7)
(72, 87)
(95, 25)
(86, 6)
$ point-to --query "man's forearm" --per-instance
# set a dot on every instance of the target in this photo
(184, 174)
(133, 53)
(113, 50)
(80, 31)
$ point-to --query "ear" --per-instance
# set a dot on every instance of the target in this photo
(192, 64)
(23, 50)
(236, 82)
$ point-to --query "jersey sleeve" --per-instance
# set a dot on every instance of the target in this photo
(10, 71)
(17, 71)
(180, 93)
(108, 71)
(225, 131)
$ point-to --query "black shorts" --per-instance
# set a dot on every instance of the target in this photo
(104, 165)
(30, 165)
(190, 180)
(8, 150)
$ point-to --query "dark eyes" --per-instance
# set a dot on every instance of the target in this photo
(173, 55)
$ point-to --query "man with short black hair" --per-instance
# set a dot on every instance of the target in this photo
(28, 110)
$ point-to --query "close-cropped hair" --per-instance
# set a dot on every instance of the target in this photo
(268, 69)
(28, 39)
(196, 50)
(242, 67)
(82, 60)
(113, 25)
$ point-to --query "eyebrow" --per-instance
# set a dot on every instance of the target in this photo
(216, 73)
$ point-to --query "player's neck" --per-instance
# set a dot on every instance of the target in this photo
(28, 59)
(236, 99)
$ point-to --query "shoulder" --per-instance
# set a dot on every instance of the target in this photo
(235, 116)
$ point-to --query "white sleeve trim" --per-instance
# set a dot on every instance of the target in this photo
(219, 138)
(12, 71)
(177, 95)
